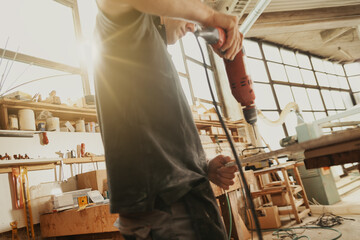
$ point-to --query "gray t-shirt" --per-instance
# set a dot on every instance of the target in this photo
(152, 148)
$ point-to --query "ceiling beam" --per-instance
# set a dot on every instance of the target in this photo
(305, 20)
(19, 57)
(331, 34)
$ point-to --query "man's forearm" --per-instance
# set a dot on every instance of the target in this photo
(193, 10)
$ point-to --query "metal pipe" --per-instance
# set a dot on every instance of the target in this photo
(253, 16)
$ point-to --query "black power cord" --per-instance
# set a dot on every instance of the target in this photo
(237, 160)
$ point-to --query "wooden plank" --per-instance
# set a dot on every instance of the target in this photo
(332, 160)
(343, 147)
(240, 227)
(304, 20)
(64, 112)
(291, 197)
(13, 103)
(331, 34)
(300, 188)
(304, 213)
(41, 167)
(267, 191)
(288, 211)
(27, 162)
(326, 140)
(39, 62)
(84, 160)
(95, 219)
(6, 170)
(29, 168)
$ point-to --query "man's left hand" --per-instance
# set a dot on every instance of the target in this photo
(219, 174)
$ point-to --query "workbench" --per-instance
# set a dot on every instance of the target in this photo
(334, 149)
(85, 224)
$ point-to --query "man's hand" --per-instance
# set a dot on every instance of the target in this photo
(219, 174)
(234, 38)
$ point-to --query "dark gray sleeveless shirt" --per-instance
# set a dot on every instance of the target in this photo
(152, 148)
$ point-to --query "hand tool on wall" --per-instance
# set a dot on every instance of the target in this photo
(14, 232)
(27, 204)
(17, 188)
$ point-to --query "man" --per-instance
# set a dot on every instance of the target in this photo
(157, 172)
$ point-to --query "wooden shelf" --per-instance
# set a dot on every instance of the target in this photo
(6, 166)
(64, 112)
(27, 162)
(84, 160)
(44, 163)
(205, 123)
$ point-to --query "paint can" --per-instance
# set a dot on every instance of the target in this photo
(80, 126)
(41, 126)
(53, 124)
(26, 119)
(13, 122)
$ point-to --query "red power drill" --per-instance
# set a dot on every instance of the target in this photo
(240, 82)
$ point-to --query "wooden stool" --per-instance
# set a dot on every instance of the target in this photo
(285, 187)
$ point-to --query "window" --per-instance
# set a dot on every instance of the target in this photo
(293, 74)
(188, 61)
(43, 34)
(352, 69)
(277, 72)
(257, 70)
(283, 94)
(355, 83)
(315, 99)
(177, 57)
(272, 53)
(252, 49)
(42, 29)
(318, 86)
(288, 57)
(264, 97)
(308, 77)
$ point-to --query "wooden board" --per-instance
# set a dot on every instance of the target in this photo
(333, 159)
(97, 219)
(326, 140)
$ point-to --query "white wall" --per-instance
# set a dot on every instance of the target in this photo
(32, 147)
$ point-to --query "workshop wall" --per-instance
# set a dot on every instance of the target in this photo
(58, 141)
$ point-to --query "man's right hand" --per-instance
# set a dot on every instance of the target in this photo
(234, 38)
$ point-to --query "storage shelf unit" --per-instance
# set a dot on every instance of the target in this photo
(233, 127)
(64, 112)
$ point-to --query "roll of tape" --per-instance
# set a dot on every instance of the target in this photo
(53, 124)
(80, 126)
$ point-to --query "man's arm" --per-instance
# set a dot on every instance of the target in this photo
(192, 10)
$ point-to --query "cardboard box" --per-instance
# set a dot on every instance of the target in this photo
(268, 217)
(280, 199)
(96, 180)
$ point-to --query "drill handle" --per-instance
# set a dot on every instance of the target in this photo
(216, 37)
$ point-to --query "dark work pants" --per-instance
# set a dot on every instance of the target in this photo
(193, 217)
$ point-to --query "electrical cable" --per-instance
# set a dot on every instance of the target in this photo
(230, 215)
(237, 160)
(293, 236)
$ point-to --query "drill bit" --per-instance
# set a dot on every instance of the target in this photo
(253, 127)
